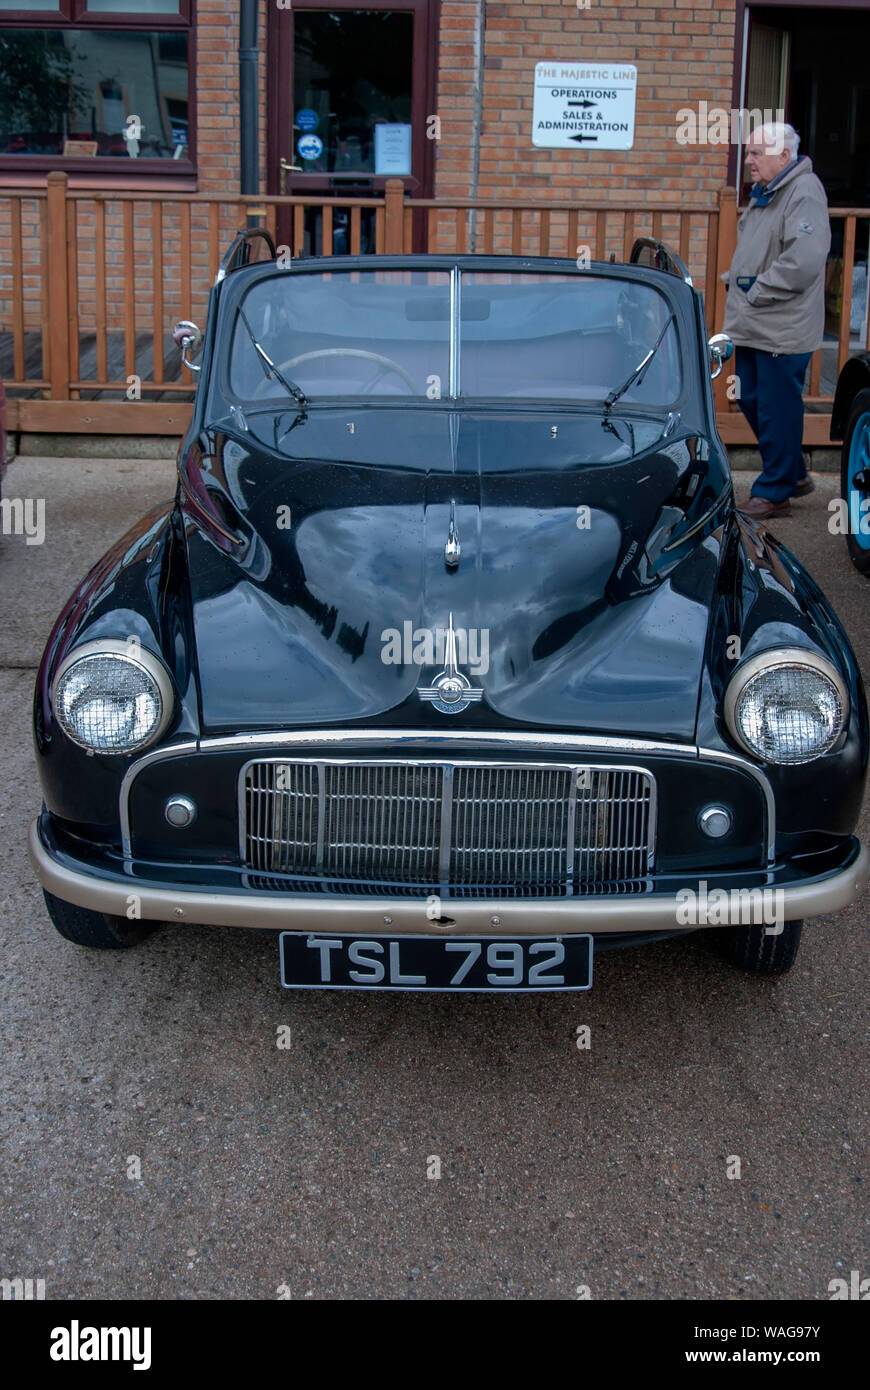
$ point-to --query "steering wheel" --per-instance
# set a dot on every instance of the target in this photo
(386, 364)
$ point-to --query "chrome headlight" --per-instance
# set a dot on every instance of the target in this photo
(786, 705)
(112, 697)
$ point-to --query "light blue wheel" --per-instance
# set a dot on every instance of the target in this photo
(859, 498)
(855, 481)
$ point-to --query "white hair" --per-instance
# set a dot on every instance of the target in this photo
(778, 134)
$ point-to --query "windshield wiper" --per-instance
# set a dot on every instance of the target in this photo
(269, 366)
(640, 369)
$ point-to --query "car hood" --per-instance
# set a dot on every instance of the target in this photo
(321, 589)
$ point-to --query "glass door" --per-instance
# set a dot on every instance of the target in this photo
(348, 95)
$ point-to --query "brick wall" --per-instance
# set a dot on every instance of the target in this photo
(217, 94)
(684, 54)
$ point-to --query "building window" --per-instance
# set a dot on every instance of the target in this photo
(94, 85)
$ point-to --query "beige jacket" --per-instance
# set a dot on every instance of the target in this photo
(784, 245)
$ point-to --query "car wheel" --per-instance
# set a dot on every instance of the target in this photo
(855, 480)
(752, 948)
(97, 929)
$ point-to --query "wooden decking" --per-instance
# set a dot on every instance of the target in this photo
(87, 368)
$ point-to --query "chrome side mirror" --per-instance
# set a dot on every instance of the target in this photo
(720, 348)
(188, 337)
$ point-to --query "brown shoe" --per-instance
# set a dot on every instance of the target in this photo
(761, 507)
(804, 487)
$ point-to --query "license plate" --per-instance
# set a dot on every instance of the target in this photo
(434, 962)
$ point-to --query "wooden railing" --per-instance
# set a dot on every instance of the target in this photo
(94, 280)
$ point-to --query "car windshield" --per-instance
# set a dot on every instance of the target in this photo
(435, 335)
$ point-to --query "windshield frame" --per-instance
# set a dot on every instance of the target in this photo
(680, 298)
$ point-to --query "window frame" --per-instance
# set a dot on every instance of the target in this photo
(73, 14)
(222, 389)
(424, 70)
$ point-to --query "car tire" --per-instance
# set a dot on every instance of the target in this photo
(752, 948)
(854, 458)
(99, 930)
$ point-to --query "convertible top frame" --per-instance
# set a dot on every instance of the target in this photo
(240, 253)
(661, 258)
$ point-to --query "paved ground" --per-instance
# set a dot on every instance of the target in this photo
(307, 1167)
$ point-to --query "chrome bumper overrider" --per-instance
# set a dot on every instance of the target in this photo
(396, 916)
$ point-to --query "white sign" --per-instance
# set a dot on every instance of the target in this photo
(584, 106)
(392, 148)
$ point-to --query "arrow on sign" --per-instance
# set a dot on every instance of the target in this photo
(581, 103)
(583, 137)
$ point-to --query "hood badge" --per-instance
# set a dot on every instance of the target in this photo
(452, 549)
(450, 692)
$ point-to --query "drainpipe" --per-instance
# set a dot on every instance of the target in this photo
(479, 42)
(249, 154)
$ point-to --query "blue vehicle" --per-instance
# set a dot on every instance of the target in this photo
(850, 421)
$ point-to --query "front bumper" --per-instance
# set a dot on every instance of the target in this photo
(654, 913)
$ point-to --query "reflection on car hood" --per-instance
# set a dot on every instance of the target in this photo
(581, 593)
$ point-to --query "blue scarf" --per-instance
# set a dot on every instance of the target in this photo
(762, 194)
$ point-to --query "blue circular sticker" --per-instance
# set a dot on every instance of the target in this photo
(310, 146)
(306, 119)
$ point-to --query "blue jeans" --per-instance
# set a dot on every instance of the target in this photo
(771, 398)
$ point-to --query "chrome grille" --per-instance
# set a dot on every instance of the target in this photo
(461, 827)
(510, 825)
(382, 821)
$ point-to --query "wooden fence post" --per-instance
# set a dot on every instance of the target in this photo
(727, 199)
(394, 217)
(726, 243)
(845, 326)
(54, 265)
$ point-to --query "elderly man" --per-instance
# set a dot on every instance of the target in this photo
(775, 311)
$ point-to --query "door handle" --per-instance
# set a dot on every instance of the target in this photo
(286, 169)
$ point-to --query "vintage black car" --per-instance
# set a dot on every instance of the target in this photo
(850, 421)
(452, 659)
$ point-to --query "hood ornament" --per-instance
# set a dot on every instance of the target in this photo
(452, 550)
(450, 692)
